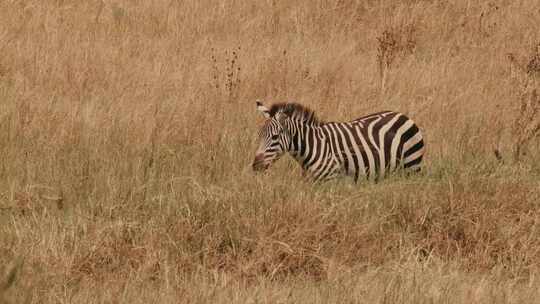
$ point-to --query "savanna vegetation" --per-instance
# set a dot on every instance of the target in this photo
(127, 130)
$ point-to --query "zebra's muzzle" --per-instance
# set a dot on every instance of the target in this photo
(259, 164)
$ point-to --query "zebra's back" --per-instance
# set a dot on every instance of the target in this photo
(376, 144)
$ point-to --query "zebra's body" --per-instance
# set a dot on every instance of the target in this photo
(369, 146)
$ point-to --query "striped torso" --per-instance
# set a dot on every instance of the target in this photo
(369, 146)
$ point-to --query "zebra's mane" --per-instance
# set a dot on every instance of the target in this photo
(296, 111)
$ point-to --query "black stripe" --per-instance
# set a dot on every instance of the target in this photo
(375, 132)
(413, 162)
(388, 138)
(294, 141)
(378, 126)
(330, 139)
(363, 155)
(356, 136)
(419, 145)
(404, 138)
(328, 136)
(330, 151)
(339, 151)
(373, 151)
(315, 153)
(303, 143)
(309, 143)
(299, 138)
(350, 148)
(324, 165)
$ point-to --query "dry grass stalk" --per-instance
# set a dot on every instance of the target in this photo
(527, 123)
(392, 43)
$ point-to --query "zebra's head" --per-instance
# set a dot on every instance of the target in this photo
(274, 137)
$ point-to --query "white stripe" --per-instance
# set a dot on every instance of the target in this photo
(395, 142)
(346, 150)
(336, 153)
(370, 133)
(356, 149)
(299, 137)
(312, 148)
(318, 166)
(414, 156)
(411, 142)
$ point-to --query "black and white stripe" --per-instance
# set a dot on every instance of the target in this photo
(369, 146)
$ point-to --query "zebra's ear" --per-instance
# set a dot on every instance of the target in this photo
(261, 108)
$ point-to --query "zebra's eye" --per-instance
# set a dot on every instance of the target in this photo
(275, 137)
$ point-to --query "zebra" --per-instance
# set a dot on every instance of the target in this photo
(369, 146)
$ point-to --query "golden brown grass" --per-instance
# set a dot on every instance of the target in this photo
(127, 129)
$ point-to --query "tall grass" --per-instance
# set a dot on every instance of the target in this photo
(127, 129)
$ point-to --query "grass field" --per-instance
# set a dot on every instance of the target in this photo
(127, 131)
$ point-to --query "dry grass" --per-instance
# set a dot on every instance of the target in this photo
(127, 129)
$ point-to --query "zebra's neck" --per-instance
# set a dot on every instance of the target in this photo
(299, 140)
(310, 147)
